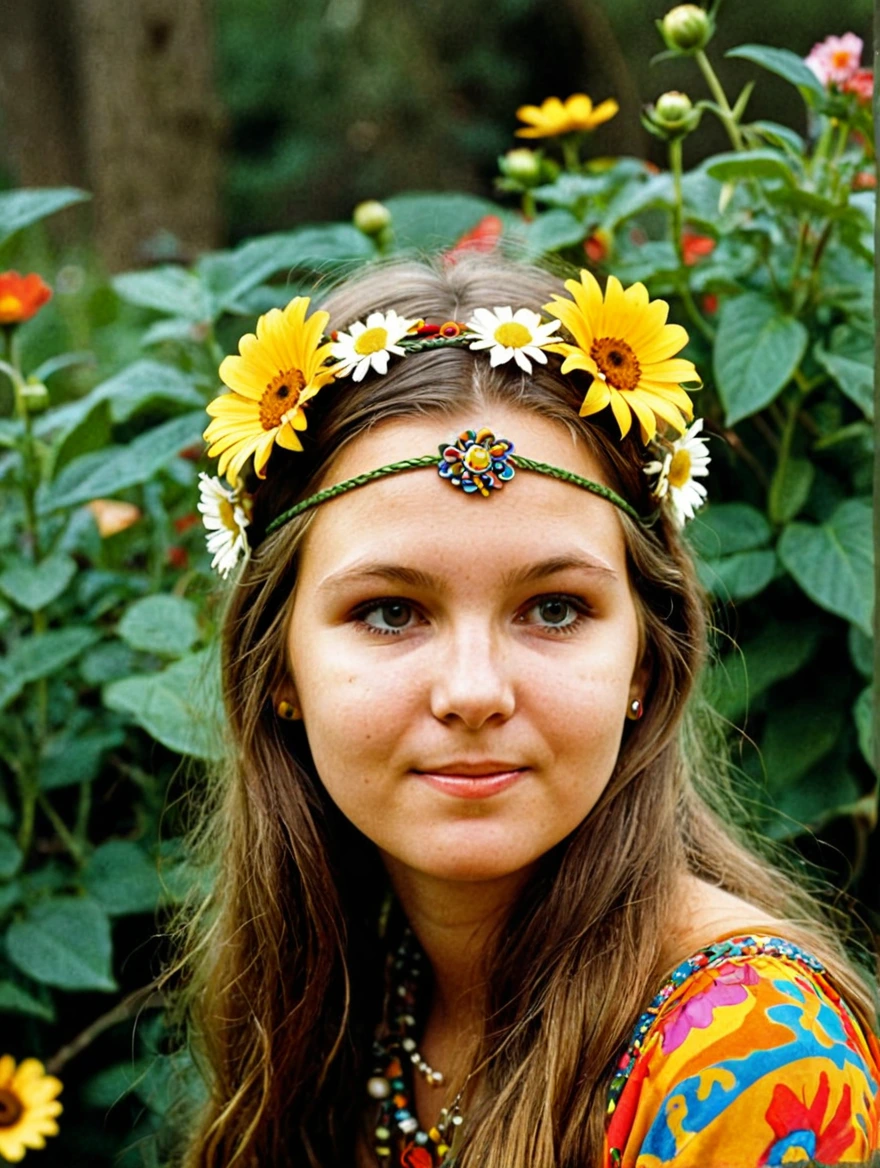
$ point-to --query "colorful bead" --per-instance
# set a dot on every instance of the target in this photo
(477, 462)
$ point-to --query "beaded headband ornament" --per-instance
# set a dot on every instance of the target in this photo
(622, 340)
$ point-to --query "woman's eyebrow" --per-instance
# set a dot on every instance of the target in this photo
(377, 570)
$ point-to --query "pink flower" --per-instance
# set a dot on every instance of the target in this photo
(836, 59)
(696, 1013)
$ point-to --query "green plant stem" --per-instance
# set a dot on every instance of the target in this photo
(529, 209)
(571, 156)
(729, 121)
(61, 830)
(83, 811)
(687, 299)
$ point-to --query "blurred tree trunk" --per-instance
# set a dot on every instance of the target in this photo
(152, 137)
(118, 97)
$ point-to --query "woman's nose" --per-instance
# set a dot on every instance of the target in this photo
(473, 681)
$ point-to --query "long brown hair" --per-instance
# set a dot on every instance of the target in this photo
(284, 960)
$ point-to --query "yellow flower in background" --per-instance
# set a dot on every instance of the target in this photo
(626, 344)
(277, 372)
(554, 117)
(28, 1107)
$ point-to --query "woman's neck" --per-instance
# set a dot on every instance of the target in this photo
(454, 922)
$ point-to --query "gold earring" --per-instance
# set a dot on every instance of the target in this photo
(288, 712)
(635, 710)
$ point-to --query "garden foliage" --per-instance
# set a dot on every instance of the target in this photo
(109, 610)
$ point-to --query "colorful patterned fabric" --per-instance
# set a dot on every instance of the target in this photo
(746, 1057)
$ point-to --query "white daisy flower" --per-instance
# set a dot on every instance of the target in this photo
(225, 517)
(686, 460)
(368, 346)
(518, 335)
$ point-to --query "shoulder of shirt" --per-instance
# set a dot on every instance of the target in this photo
(770, 969)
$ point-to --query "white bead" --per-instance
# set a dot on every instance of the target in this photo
(436, 1077)
(408, 1126)
(378, 1088)
(408, 1044)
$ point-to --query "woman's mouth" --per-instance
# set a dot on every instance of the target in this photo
(472, 780)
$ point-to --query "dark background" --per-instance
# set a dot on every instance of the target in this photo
(196, 124)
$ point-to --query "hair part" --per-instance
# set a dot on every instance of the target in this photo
(283, 962)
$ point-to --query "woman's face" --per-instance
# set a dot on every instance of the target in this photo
(464, 664)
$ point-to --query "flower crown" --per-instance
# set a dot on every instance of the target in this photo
(622, 340)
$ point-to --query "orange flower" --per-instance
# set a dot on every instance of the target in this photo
(21, 297)
(695, 246)
(862, 85)
(597, 247)
(113, 516)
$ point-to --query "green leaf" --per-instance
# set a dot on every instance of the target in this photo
(92, 477)
(552, 231)
(789, 488)
(783, 63)
(123, 878)
(796, 737)
(35, 586)
(22, 207)
(73, 759)
(767, 165)
(781, 135)
(850, 365)
(141, 385)
(757, 350)
(169, 289)
(15, 1000)
(826, 791)
(107, 662)
(734, 683)
(833, 562)
(64, 942)
(720, 529)
(230, 275)
(656, 191)
(166, 625)
(861, 651)
(433, 222)
(92, 433)
(41, 656)
(863, 713)
(180, 707)
(740, 576)
(105, 1089)
(10, 856)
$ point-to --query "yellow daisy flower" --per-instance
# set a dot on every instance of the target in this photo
(278, 371)
(28, 1107)
(628, 347)
(554, 117)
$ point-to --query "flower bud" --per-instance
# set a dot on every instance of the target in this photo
(686, 28)
(371, 217)
(35, 396)
(674, 113)
(522, 165)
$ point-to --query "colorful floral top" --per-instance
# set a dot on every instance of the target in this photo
(746, 1057)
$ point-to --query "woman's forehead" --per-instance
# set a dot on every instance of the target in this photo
(418, 518)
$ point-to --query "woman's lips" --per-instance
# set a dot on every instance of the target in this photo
(470, 786)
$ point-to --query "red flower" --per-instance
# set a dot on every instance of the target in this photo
(416, 1157)
(694, 246)
(482, 238)
(865, 180)
(21, 297)
(597, 246)
(178, 557)
(710, 304)
(185, 522)
(862, 85)
(788, 1115)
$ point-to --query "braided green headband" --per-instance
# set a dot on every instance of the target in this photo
(477, 462)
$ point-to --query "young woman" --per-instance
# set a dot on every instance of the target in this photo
(478, 895)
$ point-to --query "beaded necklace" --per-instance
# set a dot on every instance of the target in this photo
(398, 1137)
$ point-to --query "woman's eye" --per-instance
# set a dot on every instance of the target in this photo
(556, 612)
(388, 616)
